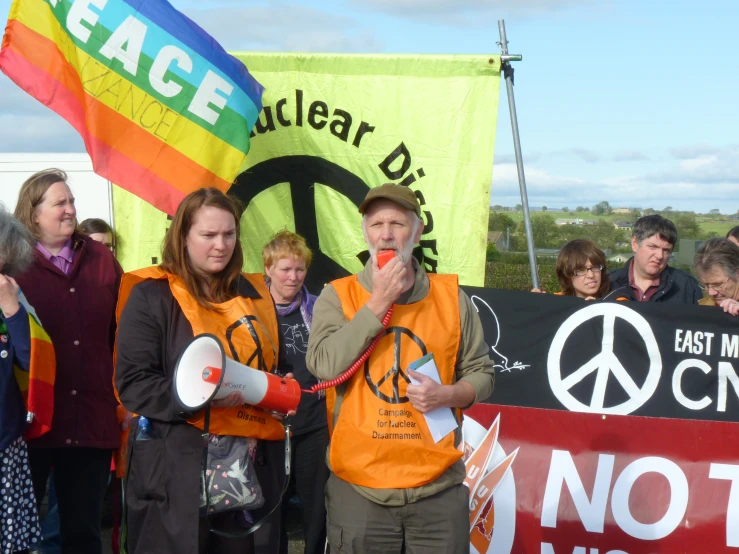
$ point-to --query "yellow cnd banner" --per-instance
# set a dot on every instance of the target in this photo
(334, 126)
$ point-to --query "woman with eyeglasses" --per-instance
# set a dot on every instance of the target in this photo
(716, 265)
(581, 270)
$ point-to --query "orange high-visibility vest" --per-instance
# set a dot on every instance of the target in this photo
(380, 440)
(244, 420)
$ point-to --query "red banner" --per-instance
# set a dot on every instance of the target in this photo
(557, 482)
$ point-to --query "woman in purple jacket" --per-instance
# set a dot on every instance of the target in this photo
(19, 529)
(73, 285)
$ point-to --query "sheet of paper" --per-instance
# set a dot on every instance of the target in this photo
(440, 421)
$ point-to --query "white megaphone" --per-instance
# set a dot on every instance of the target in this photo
(204, 373)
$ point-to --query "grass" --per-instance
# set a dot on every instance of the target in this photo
(518, 216)
(718, 227)
(708, 223)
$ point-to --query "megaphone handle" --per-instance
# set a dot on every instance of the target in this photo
(356, 365)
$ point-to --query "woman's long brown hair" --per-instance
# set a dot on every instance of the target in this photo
(175, 259)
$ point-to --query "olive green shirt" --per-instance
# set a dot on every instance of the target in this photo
(335, 344)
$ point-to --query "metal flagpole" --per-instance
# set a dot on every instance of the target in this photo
(505, 60)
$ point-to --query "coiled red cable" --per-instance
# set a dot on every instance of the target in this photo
(355, 366)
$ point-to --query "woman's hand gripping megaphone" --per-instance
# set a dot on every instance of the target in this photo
(235, 399)
(277, 415)
(231, 401)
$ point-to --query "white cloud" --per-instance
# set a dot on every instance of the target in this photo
(695, 163)
(455, 6)
(279, 26)
(468, 12)
(29, 126)
(705, 166)
(629, 156)
(693, 151)
(34, 133)
(510, 158)
(586, 155)
(698, 184)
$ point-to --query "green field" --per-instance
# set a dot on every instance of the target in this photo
(708, 223)
(718, 226)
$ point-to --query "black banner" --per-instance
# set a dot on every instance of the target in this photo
(611, 357)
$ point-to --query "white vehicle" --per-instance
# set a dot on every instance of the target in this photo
(92, 193)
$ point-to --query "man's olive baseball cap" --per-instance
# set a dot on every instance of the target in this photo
(403, 196)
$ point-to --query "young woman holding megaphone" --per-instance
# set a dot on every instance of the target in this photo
(199, 289)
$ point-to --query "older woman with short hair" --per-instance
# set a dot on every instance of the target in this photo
(19, 528)
(286, 260)
(73, 285)
(716, 265)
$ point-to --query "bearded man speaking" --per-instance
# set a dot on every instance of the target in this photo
(393, 488)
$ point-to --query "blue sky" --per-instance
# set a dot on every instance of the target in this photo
(630, 102)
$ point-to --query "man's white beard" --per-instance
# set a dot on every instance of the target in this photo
(404, 254)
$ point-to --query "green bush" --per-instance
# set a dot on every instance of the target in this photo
(523, 258)
(492, 254)
(516, 275)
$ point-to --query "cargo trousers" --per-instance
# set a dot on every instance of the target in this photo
(438, 524)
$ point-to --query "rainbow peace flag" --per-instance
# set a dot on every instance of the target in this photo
(162, 108)
(37, 384)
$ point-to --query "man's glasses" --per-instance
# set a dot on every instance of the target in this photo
(717, 288)
(584, 271)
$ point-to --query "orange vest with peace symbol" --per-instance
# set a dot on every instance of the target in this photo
(380, 440)
(230, 323)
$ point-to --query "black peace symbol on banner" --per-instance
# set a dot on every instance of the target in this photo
(302, 173)
(396, 372)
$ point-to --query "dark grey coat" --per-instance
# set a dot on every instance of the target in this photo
(162, 486)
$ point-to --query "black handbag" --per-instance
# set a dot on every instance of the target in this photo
(229, 476)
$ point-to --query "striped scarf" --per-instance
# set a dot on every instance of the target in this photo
(300, 301)
(37, 384)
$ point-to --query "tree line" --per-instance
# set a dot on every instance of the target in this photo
(547, 234)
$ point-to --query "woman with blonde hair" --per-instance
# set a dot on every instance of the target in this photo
(286, 261)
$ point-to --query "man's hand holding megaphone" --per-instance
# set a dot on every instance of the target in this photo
(388, 282)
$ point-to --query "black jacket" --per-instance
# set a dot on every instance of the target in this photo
(675, 286)
(162, 486)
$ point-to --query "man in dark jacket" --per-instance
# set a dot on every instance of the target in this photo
(646, 276)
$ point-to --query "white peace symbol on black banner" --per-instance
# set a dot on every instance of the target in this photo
(605, 363)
